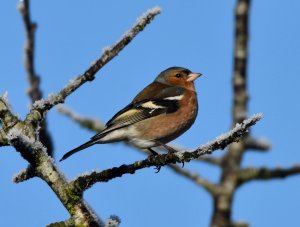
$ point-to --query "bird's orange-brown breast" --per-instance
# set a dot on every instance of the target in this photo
(172, 125)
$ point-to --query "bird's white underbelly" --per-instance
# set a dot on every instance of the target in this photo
(129, 134)
(119, 134)
(141, 143)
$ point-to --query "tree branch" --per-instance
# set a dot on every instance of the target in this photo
(249, 174)
(30, 27)
(222, 211)
(85, 122)
(34, 90)
(239, 224)
(7, 119)
(3, 140)
(196, 178)
(240, 101)
(211, 160)
(42, 106)
(24, 175)
(86, 181)
(257, 144)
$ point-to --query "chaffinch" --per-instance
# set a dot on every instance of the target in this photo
(161, 112)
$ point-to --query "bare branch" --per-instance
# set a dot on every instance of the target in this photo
(7, 119)
(24, 175)
(3, 140)
(34, 90)
(30, 27)
(86, 181)
(240, 61)
(257, 144)
(231, 162)
(196, 178)
(85, 122)
(263, 173)
(43, 106)
(211, 160)
(239, 224)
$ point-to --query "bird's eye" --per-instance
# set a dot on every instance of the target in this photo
(178, 75)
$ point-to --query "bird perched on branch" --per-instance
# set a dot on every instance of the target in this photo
(158, 114)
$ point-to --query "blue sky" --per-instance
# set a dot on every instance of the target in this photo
(194, 34)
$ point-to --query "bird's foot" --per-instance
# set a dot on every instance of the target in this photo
(154, 153)
(170, 150)
(157, 169)
(182, 162)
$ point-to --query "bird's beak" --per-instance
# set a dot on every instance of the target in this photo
(193, 76)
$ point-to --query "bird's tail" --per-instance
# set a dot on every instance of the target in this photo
(79, 148)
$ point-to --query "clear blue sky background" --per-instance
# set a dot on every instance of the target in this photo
(194, 34)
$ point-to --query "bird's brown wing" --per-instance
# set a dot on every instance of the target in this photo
(138, 110)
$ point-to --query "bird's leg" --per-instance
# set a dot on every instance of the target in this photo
(169, 149)
(153, 153)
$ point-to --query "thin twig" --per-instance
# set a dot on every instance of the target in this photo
(249, 174)
(34, 90)
(7, 119)
(24, 175)
(196, 178)
(239, 224)
(85, 122)
(30, 27)
(257, 144)
(86, 181)
(211, 160)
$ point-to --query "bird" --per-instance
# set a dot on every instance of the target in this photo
(160, 113)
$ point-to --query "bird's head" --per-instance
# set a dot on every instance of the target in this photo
(178, 76)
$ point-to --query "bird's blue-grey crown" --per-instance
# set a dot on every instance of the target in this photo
(164, 74)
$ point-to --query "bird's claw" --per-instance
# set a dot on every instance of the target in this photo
(157, 169)
(182, 162)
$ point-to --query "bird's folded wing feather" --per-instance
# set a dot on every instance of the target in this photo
(161, 103)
